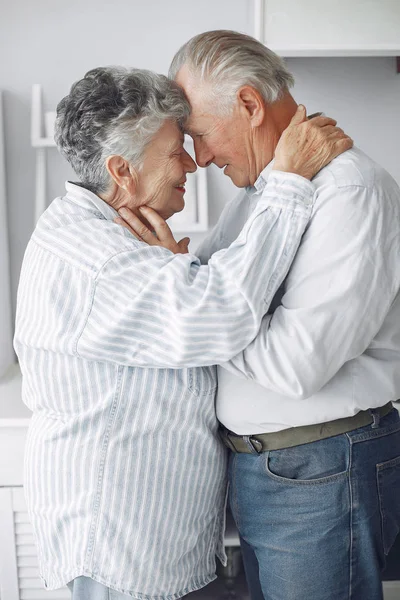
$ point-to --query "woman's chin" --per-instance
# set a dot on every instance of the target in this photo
(172, 212)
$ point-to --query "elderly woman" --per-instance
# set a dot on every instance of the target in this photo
(125, 473)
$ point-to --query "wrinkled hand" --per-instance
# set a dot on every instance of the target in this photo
(162, 235)
(308, 145)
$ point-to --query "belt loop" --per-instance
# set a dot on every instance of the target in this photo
(376, 418)
(224, 435)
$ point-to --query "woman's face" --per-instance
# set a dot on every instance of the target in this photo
(161, 180)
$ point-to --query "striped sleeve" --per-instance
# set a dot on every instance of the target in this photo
(152, 308)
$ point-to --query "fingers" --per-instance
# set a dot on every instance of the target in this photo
(183, 245)
(342, 145)
(329, 133)
(321, 121)
(161, 227)
(337, 134)
(332, 134)
(299, 116)
(139, 229)
(121, 221)
(329, 130)
(337, 144)
(163, 236)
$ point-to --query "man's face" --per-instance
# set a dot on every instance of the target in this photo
(225, 141)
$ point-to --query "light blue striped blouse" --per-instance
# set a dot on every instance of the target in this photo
(124, 472)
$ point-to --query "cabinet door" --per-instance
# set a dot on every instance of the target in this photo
(19, 571)
(323, 27)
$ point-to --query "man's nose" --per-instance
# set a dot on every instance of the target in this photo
(189, 164)
(204, 157)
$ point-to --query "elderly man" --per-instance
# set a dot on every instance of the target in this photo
(315, 441)
(306, 407)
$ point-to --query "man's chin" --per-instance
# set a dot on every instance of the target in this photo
(237, 181)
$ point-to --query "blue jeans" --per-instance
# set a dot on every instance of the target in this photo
(85, 588)
(317, 520)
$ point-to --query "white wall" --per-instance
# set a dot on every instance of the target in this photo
(363, 94)
(54, 43)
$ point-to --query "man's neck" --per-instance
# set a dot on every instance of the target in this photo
(282, 112)
(277, 118)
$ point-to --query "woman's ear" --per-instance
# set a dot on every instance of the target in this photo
(123, 173)
(252, 104)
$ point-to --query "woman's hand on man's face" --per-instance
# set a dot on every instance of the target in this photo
(162, 235)
(308, 145)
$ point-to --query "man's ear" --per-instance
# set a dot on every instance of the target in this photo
(124, 175)
(251, 102)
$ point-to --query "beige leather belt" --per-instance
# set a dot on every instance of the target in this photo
(295, 436)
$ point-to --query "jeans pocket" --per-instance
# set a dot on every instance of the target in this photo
(319, 462)
(388, 480)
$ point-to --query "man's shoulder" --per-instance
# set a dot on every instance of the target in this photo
(352, 181)
(352, 168)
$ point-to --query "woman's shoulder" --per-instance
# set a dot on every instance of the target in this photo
(83, 239)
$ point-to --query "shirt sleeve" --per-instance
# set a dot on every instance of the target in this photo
(338, 293)
(152, 308)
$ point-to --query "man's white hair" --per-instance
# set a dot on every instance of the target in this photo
(227, 60)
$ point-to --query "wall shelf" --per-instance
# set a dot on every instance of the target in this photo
(40, 143)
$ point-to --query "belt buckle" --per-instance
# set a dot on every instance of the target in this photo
(254, 445)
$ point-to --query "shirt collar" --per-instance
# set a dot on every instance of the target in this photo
(86, 199)
(261, 181)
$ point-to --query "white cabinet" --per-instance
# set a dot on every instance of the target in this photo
(19, 571)
(329, 28)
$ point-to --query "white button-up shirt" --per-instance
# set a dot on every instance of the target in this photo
(124, 471)
(331, 343)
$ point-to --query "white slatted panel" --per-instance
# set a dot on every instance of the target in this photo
(29, 582)
(8, 559)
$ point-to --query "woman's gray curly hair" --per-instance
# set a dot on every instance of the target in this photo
(113, 110)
